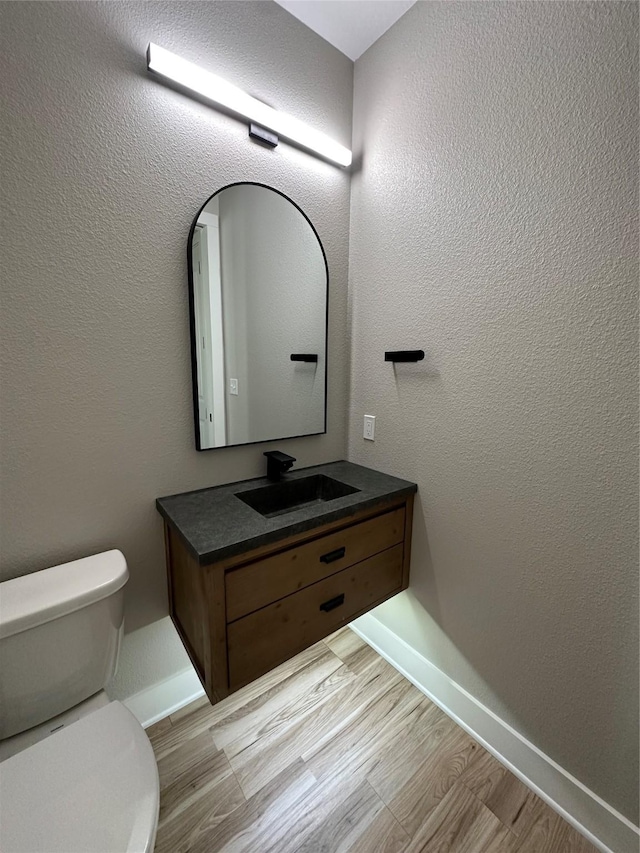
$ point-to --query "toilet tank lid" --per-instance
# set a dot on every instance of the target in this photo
(39, 597)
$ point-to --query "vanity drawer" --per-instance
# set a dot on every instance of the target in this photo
(262, 640)
(254, 586)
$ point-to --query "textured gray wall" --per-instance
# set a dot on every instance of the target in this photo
(103, 170)
(493, 226)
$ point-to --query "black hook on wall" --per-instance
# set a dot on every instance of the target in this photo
(404, 355)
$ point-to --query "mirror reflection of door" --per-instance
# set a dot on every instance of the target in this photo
(259, 291)
(207, 298)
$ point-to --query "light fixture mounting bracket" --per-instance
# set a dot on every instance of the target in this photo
(263, 135)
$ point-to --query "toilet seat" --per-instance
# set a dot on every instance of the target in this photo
(92, 787)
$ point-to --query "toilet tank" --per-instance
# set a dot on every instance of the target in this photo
(60, 632)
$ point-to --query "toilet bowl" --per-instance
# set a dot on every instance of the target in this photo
(91, 787)
(77, 771)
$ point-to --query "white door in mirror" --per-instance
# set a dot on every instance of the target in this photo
(370, 427)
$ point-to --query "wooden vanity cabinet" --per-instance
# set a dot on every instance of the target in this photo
(242, 616)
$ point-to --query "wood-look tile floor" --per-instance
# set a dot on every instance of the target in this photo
(336, 751)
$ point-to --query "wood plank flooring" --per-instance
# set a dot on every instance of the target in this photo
(335, 751)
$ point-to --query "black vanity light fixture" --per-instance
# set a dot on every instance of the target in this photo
(404, 355)
(230, 97)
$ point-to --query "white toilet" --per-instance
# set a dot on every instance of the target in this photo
(77, 771)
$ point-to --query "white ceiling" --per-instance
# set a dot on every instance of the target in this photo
(350, 25)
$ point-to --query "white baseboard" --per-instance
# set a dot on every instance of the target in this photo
(161, 699)
(607, 829)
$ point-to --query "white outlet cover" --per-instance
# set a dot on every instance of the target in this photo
(369, 427)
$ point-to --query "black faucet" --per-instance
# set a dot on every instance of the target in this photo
(277, 464)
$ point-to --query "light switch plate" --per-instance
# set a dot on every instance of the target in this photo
(369, 427)
(233, 387)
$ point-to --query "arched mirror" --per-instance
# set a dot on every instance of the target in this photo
(258, 289)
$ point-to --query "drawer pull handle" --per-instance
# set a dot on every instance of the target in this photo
(333, 555)
(333, 603)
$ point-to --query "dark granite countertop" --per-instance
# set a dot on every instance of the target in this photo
(215, 524)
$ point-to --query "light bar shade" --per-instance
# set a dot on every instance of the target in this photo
(217, 90)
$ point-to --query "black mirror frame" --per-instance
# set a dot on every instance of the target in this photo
(192, 322)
